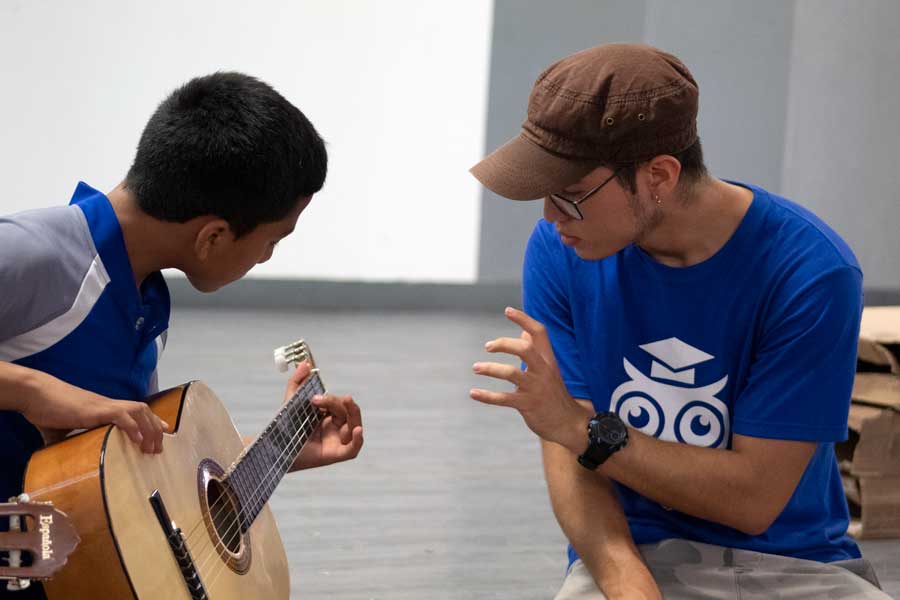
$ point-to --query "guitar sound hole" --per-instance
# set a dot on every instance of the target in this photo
(219, 507)
(224, 516)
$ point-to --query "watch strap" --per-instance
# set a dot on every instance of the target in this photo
(594, 456)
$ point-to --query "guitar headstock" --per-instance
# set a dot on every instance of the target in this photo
(40, 530)
(293, 354)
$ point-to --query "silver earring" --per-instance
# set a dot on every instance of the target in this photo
(656, 197)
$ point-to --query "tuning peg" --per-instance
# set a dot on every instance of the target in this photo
(294, 353)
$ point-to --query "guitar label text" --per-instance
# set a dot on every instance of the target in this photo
(46, 542)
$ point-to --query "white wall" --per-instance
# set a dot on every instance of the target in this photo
(398, 90)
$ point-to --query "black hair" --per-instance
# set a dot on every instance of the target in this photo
(692, 167)
(227, 145)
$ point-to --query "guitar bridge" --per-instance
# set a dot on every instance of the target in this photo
(179, 549)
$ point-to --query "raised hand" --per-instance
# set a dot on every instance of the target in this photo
(540, 396)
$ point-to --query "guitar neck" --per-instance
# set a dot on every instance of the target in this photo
(259, 469)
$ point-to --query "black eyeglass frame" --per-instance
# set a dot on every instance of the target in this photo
(567, 206)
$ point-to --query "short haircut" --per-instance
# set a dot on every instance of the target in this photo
(692, 167)
(227, 145)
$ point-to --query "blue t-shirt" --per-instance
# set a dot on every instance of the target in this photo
(69, 306)
(758, 340)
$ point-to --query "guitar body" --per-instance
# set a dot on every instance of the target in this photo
(103, 481)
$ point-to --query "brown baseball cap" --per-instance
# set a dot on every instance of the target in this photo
(611, 104)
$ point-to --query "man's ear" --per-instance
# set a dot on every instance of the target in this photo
(211, 238)
(664, 172)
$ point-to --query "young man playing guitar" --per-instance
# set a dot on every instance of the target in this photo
(223, 170)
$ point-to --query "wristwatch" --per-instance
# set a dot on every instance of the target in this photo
(607, 435)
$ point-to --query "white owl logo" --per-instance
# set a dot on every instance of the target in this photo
(692, 415)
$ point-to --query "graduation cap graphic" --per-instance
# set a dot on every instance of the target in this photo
(674, 358)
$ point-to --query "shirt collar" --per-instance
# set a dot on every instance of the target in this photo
(110, 243)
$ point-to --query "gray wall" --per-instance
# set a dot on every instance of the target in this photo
(798, 96)
(843, 136)
(529, 35)
(737, 52)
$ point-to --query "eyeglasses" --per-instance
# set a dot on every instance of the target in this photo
(570, 207)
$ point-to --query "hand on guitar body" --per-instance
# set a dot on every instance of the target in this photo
(340, 435)
(50, 403)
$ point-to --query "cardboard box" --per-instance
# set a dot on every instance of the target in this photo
(870, 458)
(879, 340)
(874, 439)
(870, 469)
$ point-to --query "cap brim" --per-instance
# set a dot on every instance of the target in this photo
(522, 170)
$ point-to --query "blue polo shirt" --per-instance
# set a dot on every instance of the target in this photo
(758, 340)
(69, 306)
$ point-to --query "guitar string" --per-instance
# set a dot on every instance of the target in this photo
(215, 547)
(215, 510)
(208, 554)
(307, 411)
(220, 504)
(209, 549)
(244, 505)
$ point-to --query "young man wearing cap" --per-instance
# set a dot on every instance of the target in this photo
(688, 344)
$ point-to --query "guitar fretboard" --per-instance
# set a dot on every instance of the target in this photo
(256, 473)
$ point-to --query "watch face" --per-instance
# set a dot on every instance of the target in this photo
(609, 429)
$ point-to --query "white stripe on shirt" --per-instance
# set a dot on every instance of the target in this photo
(51, 332)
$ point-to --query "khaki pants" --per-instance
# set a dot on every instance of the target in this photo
(691, 570)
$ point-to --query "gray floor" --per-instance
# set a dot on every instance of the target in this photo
(447, 499)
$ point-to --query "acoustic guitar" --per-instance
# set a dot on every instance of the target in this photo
(192, 522)
(43, 533)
